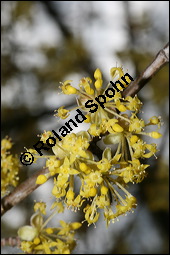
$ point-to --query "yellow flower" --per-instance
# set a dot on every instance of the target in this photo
(114, 71)
(129, 203)
(136, 125)
(93, 178)
(9, 167)
(67, 88)
(6, 144)
(104, 165)
(39, 239)
(91, 214)
(53, 165)
(135, 172)
(102, 172)
(45, 136)
(41, 206)
(62, 113)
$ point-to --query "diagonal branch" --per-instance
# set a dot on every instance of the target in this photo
(160, 60)
(11, 241)
(21, 192)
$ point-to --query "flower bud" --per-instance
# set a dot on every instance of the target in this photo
(27, 233)
(97, 74)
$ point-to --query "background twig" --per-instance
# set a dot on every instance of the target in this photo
(10, 241)
(160, 60)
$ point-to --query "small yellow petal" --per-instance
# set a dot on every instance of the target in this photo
(122, 108)
(49, 230)
(98, 83)
(88, 119)
(76, 225)
(71, 90)
(134, 139)
(117, 128)
(70, 194)
(104, 190)
(92, 192)
(83, 167)
(36, 240)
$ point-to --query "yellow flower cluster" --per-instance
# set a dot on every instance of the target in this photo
(37, 238)
(9, 167)
(84, 171)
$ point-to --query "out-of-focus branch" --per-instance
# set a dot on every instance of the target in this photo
(53, 9)
(11, 241)
(160, 60)
(55, 14)
(21, 192)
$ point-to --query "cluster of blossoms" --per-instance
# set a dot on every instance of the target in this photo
(83, 170)
(37, 238)
(9, 167)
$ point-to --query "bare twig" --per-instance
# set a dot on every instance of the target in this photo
(160, 60)
(10, 241)
(21, 192)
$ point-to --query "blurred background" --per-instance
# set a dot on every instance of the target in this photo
(47, 42)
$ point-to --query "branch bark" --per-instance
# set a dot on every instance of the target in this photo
(11, 241)
(160, 60)
(21, 192)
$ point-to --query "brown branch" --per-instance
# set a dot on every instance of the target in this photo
(11, 241)
(21, 192)
(160, 60)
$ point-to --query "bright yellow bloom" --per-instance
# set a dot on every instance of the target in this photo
(53, 165)
(67, 88)
(101, 171)
(70, 194)
(39, 239)
(91, 214)
(9, 167)
(40, 206)
(45, 136)
(6, 144)
(62, 113)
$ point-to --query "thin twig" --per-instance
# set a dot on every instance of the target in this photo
(21, 192)
(11, 241)
(160, 60)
